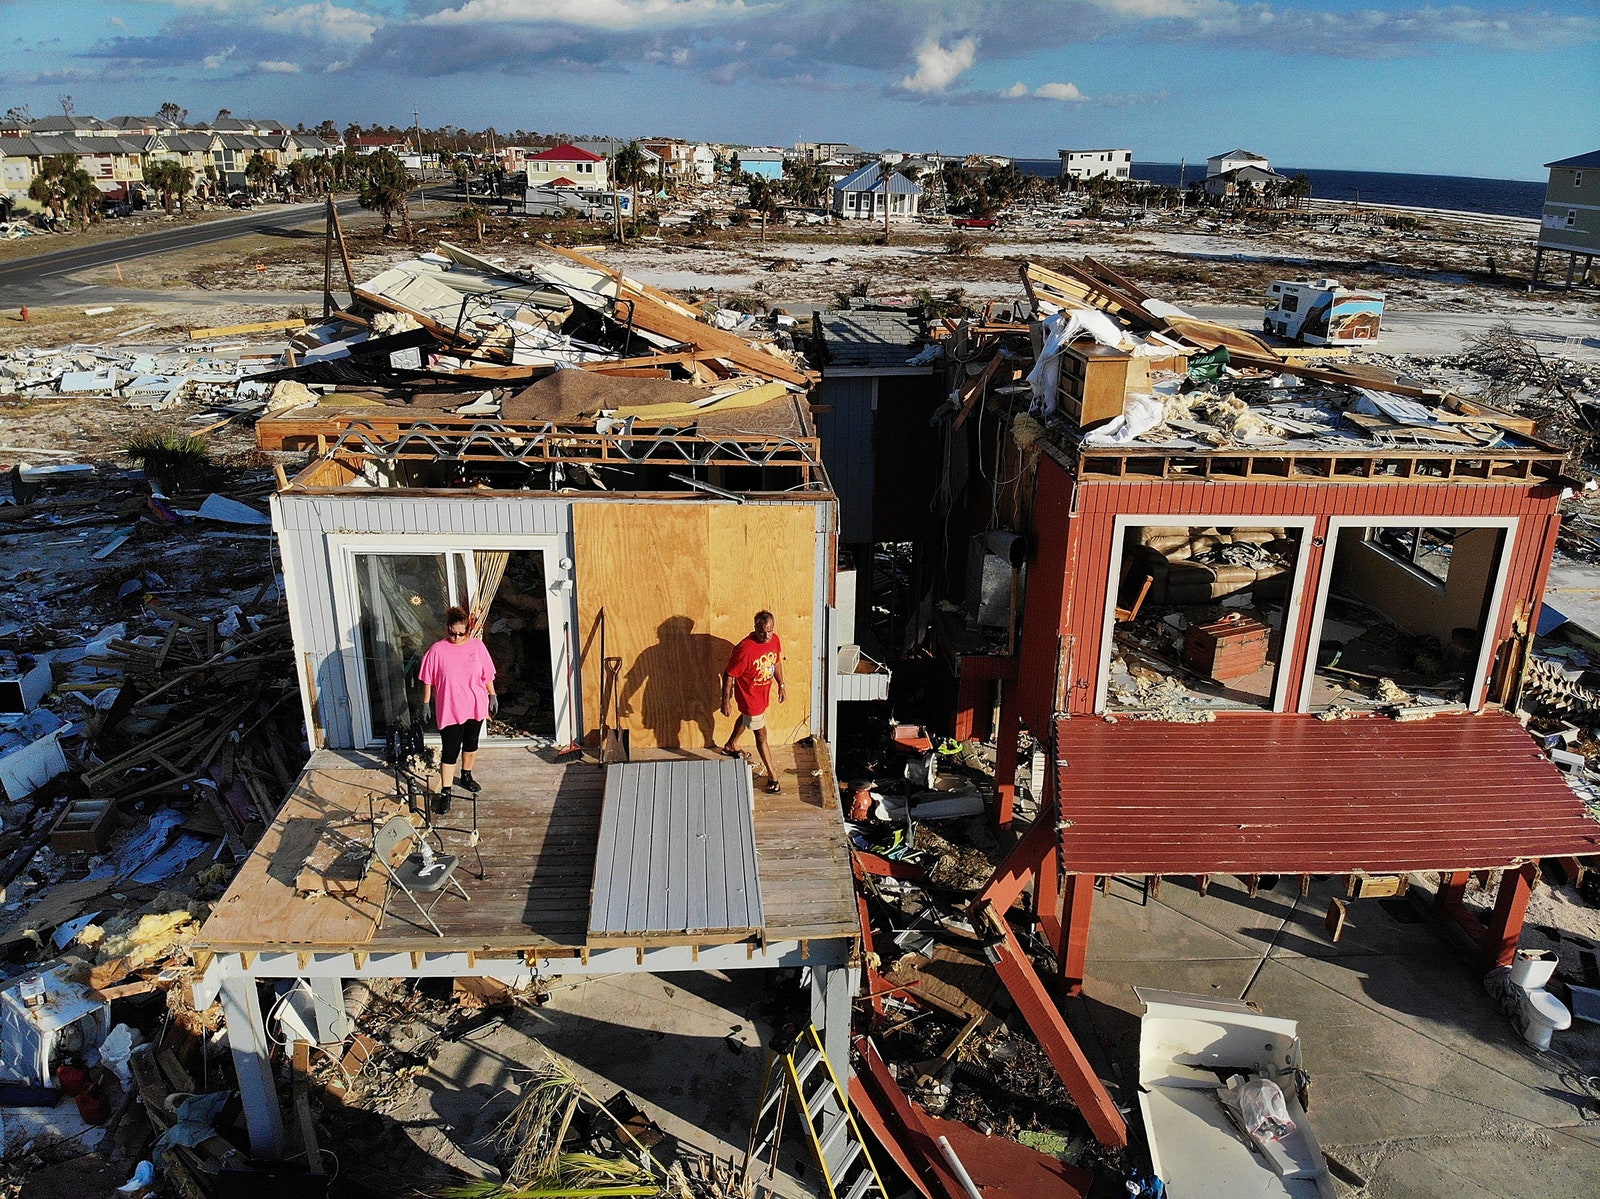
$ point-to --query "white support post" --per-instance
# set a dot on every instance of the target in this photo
(333, 1025)
(832, 989)
(247, 1038)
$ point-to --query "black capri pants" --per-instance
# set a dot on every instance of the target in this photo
(455, 738)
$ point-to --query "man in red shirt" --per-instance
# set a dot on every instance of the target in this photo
(756, 663)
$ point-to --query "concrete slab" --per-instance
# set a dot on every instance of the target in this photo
(1420, 1084)
(683, 1046)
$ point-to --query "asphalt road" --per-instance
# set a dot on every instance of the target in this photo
(44, 278)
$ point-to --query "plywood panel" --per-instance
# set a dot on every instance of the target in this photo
(645, 566)
(763, 557)
(679, 584)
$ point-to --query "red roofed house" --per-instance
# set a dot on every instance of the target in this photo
(560, 166)
(371, 143)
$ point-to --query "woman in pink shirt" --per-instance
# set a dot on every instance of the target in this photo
(457, 676)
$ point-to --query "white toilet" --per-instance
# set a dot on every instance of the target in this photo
(1539, 1013)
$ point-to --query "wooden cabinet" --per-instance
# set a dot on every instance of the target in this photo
(1094, 379)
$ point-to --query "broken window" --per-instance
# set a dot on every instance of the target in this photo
(1427, 549)
(1199, 617)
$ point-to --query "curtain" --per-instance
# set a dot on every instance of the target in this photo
(491, 568)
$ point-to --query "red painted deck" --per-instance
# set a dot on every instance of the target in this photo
(1290, 794)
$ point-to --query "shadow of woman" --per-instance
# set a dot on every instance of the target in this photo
(677, 681)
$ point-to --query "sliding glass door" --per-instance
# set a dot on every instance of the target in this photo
(402, 600)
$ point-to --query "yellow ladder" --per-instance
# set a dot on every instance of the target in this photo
(798, 1073)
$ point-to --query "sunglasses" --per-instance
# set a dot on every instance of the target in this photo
(455, 636)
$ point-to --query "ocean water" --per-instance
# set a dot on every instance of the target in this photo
(1500, 197)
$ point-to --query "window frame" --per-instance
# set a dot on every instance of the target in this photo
(1295, 610)
(1338, 524)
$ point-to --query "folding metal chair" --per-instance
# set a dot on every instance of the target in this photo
(422, 872)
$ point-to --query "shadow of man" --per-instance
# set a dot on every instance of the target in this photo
(680, 681)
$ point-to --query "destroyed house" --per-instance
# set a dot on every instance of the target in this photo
(1274, 616)
(612, 528)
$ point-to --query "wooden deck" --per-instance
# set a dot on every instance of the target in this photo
(540, 824)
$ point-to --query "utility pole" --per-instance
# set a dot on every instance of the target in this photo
(422, 168)
(1183, 165)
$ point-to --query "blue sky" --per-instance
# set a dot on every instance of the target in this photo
(1482, 87)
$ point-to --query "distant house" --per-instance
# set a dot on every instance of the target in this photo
(1096, 164)
(564, 166)
(73, 126)
(113, 163)
(860, 196)
(371, 143)
(1571, 221)
(1233, 160)
(609, 147)
(1228, 183)
(194, 150)
(828, 151)
(766, 164)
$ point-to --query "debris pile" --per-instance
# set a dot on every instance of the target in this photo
(148, 731)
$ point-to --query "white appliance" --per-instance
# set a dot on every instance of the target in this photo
(67, 1020)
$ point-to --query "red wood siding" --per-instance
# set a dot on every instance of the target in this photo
(1075, 530)
(1290, 794)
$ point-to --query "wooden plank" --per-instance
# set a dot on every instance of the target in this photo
(235, 330)
(1044, 1018)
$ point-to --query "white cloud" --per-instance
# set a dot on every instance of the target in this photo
(213, 62)
(1058, 91)
(938, 67)
(1045, 91)
(324, 20)
(278, 67)
(592, 14)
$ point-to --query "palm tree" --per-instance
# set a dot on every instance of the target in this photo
(386, 188)
(171, 180)
(806, 183)
(471, 212)
(301, 171)
(1243, 194)
(257, 173)
(628, 169)
(764, 200)
(1298, 188)
(65, 188)
(885, 172)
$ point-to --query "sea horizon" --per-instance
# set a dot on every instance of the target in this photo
(1461, 193)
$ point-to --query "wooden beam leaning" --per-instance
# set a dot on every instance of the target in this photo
(1037, 1008)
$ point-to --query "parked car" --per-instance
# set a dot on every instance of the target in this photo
(240, 200)
(974, 222)
(116, 208)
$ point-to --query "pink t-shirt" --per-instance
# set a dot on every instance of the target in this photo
(460, 674)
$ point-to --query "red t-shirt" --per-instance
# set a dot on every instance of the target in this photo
(752, 668)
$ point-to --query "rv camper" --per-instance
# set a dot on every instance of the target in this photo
(1321, 313)
(575, 201)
